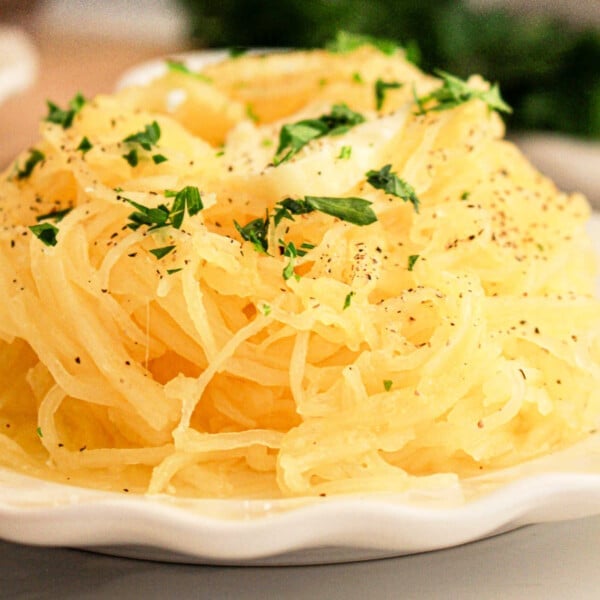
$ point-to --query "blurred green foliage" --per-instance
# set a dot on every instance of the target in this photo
(548, 72)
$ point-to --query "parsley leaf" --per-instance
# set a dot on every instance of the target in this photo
(294, 136)
(162, 252)
(146, 138)
(85, 145)
(132, 158)
(290, 250)
(187, 198)
(35, 157)
(176, 66)
(353, 210)
(61, 117)
(345, 42)
(387, 180)
(256, 231)
(387, 384)
(251, 114)
(159, 158)
(455, 91)
(45, 232)
(348, 300)
(345, 152)
(55, 215)
(412, 259)
(380, 89)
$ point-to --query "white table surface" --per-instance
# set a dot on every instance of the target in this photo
(548, 561)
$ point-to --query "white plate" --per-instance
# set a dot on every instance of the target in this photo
(321, 530)
(565, 485)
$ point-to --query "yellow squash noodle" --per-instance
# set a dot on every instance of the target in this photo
(323, 357)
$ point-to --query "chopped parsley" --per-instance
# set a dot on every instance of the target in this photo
(159, 158)
(290, 250)
(173, 271)
(345, 152)
(412, 259)
(266, 310)
(294, 136)
(345, 42)
(35, 157)
(357, 211)
(84, 145)
(385, 179)
(39, 432)
(353, 210)
(162, 252)
(357, 77)
(176, 66)
(387, 384)
(46, 233)
(55, 215)
(61, 117)
(455, 91)
(348, 300)
(187, 199)
(251, 114)
(132, 158)
(256, 232)
(146, 138)
(381, 88)
(465, 195)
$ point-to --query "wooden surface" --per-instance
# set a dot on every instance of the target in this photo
(68, 64)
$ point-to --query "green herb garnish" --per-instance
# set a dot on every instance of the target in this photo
(35, 157)
(387, 384)
(132, 158)
(146, 138)
(84, 145)
(357, 211)
(345, 152)
(251, 114)
(159, 158)
(162, 252)
(455, 91)
(187, 199)
(412, 259)
(387, 180)
(290, 250)
(348, 300)
(294, 136)
(39, 432)
(55, 215)
(176, 66)
(61, 117)
(256, 232)
(173, 271)
(381, 88)
(46, 233)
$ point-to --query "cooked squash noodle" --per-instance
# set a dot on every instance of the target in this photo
(166, 329)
